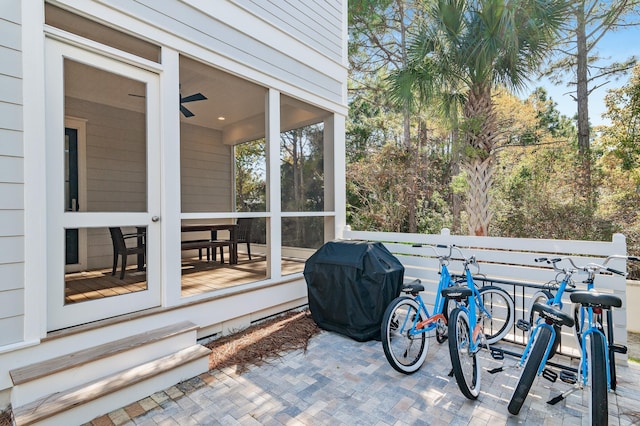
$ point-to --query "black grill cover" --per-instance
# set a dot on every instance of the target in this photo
(350, 284)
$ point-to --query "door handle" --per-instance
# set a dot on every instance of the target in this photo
(155, 218)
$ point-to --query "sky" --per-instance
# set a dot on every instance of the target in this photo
(618, 46)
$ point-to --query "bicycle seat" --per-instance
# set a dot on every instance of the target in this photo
(595, 299)
(552, 313)
(456, 292)
(414, 287)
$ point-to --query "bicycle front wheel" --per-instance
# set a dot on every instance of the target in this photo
(404, 350)
(543, 297)
(499, 305)
(464, 362)
(598, 381)
(530, 369)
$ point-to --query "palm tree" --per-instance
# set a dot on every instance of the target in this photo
(463, 52)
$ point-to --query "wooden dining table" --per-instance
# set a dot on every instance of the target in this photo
(214, 228)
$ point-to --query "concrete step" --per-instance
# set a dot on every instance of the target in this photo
(32, 382)
(82, 403)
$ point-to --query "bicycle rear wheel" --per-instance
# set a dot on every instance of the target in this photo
(405, 352)
(530, 369)
(464, 362)
(500, 307)
(599, 403)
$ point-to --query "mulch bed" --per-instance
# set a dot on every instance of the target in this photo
(262, 342)
(5, 418)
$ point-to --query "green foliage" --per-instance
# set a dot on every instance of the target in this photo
(302, 169)
(619, 163)
(379, 186)
(250, 176)
(461, 49)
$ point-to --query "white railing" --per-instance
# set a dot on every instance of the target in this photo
(509, 263)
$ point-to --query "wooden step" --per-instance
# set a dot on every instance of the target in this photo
(51, 405)
(51, 366)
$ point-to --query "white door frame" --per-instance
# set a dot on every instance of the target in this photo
(60, 315)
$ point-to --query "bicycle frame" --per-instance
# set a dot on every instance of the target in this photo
(555, 301)
(470, 306)
(473, 302)
(431, 322)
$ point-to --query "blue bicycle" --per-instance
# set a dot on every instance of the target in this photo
(546, 296)
(407, 323)
(470, 326)
(597, 363)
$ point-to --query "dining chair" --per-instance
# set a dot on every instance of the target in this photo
(244, 232)
(120, 249)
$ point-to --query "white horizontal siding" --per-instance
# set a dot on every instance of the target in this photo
(11, 197)
(11, 328)
(11, 169)
(10, 116)
(11, 143)
(10, 62)
(12, 275)
(11, 224)
(226, 30)
(205, 171)
(317, 23)
(10, 34)
(11, 250)
(14, 302)
(10, 10)
(11, 175)
(11, 88)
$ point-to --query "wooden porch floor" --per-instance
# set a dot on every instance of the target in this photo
(198, 276)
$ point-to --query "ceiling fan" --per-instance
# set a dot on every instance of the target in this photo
(190, 98)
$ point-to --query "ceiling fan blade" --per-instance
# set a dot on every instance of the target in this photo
(186, 112)
(192, 98)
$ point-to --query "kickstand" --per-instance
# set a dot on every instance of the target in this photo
(563, 395)
(451, 372)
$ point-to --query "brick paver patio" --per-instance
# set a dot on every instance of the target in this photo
(339, 381)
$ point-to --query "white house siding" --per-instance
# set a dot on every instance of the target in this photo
(205, 172)
(246, 38)
(316, 22)
(11, 176)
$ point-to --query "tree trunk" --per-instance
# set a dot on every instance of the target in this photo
(480, 175)
(582, 97)
(411, 196)
(480, 132)
(456, 200)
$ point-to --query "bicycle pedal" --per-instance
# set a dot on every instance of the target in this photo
(497, 354)
(568, 377)
(619, 349)
(550, 375)
(523, 325)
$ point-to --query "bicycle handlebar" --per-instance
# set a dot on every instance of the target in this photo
(590, 268)
(445, 257)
